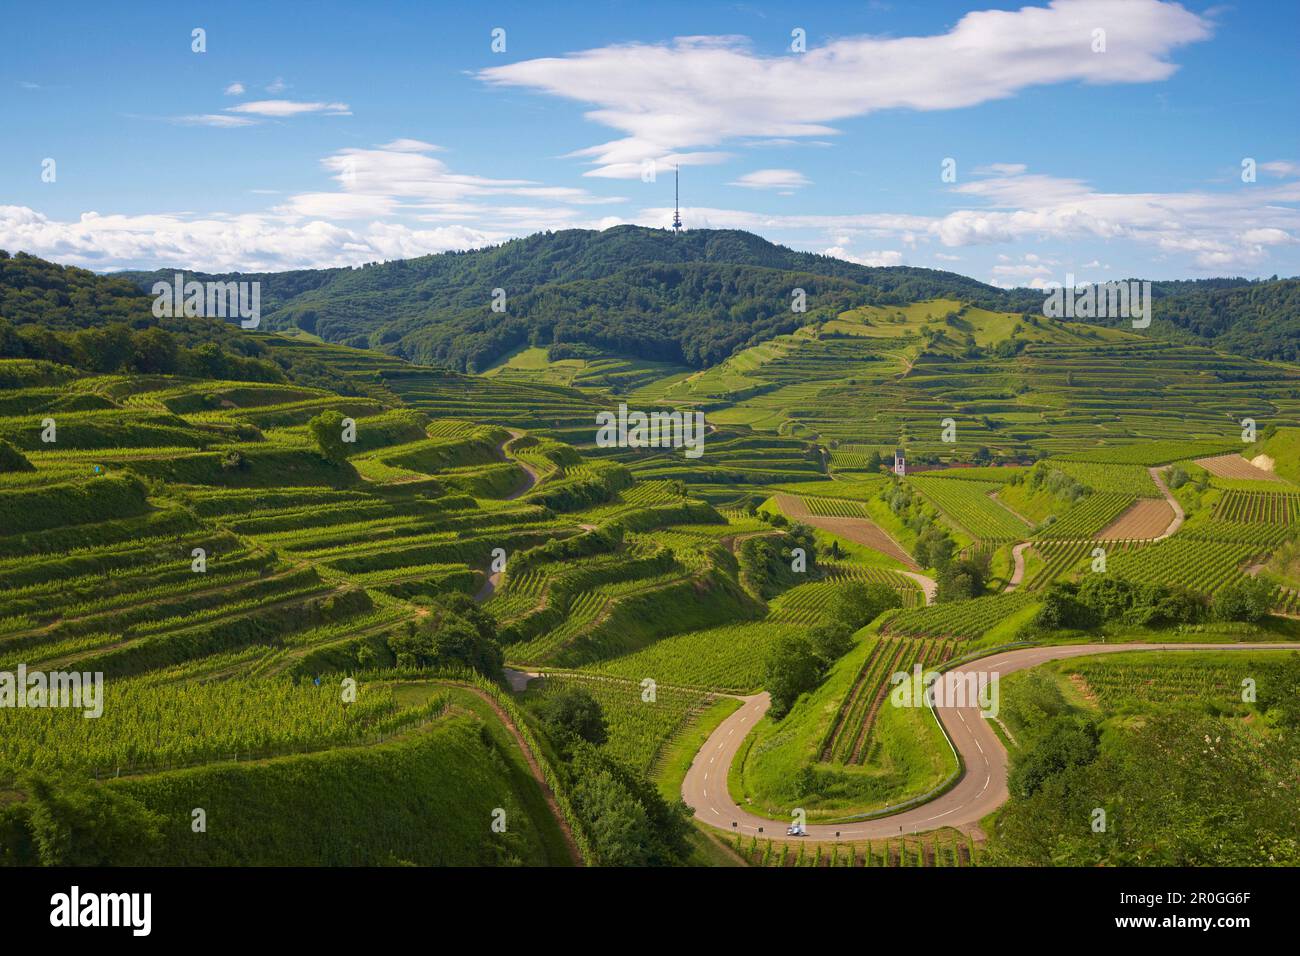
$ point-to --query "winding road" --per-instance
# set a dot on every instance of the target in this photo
(980, 790)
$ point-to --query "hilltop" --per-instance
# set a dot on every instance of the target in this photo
(695, 298)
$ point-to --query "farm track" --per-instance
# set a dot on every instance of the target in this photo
(1179, 516)
(1017, 567)
(534, 768)
(979, 790)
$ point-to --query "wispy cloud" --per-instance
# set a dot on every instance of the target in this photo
(219, 120)
(700, 92)
(283, 108)
(783, 179)
(235, 89)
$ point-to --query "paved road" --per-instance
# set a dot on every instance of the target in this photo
(981, 789)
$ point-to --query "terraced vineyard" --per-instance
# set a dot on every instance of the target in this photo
(208, 546)
(1259, 507)
(849, 738)
(960, 620)
(967, 503)
(1089, 517)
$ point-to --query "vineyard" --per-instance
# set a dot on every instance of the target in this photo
(1259, 507)
(640, 724)
(849, 738)
(968, 504)
(226, 565)
(1116, 684)
(959, 620)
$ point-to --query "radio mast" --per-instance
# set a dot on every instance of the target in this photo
(677, 213)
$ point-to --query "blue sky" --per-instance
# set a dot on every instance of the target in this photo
(340, 133)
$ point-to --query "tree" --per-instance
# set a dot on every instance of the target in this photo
(1249, 599)
(964, 579)
(874, 461)
(628, 821)
(1066, 742)
(572, 714)
(856, 604)
(829, 641)
(446, 638)
(1283, 692)
(327, 429)
(155, 352)
(791, 669)
(1062, 610)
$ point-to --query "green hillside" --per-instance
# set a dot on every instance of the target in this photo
(233, 534)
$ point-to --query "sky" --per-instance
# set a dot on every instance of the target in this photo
(1026, 145)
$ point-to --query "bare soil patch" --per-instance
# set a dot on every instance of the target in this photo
(1234, 466)
(1145, 518)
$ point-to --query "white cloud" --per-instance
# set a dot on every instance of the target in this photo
(884, 257)
(772, 179)
(213, 119)
(248, 243)
(1281, 167)
(390, 203)
(235, 89)
(411, 146)
(277, 86)
(282, 108)
(704, 91)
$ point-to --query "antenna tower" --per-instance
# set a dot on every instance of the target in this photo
(677, 213)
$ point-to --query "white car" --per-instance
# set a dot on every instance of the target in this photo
(796, 829)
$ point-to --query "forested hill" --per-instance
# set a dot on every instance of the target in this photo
(693, 298)
(1259, 320)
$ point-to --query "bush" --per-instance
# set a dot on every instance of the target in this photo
(792, 668)
(327, 430)
(573, 715)
(457, 632)
(1247, 600)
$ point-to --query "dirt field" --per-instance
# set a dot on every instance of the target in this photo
(1234, 466)
(1145, 518)
(857, 530)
